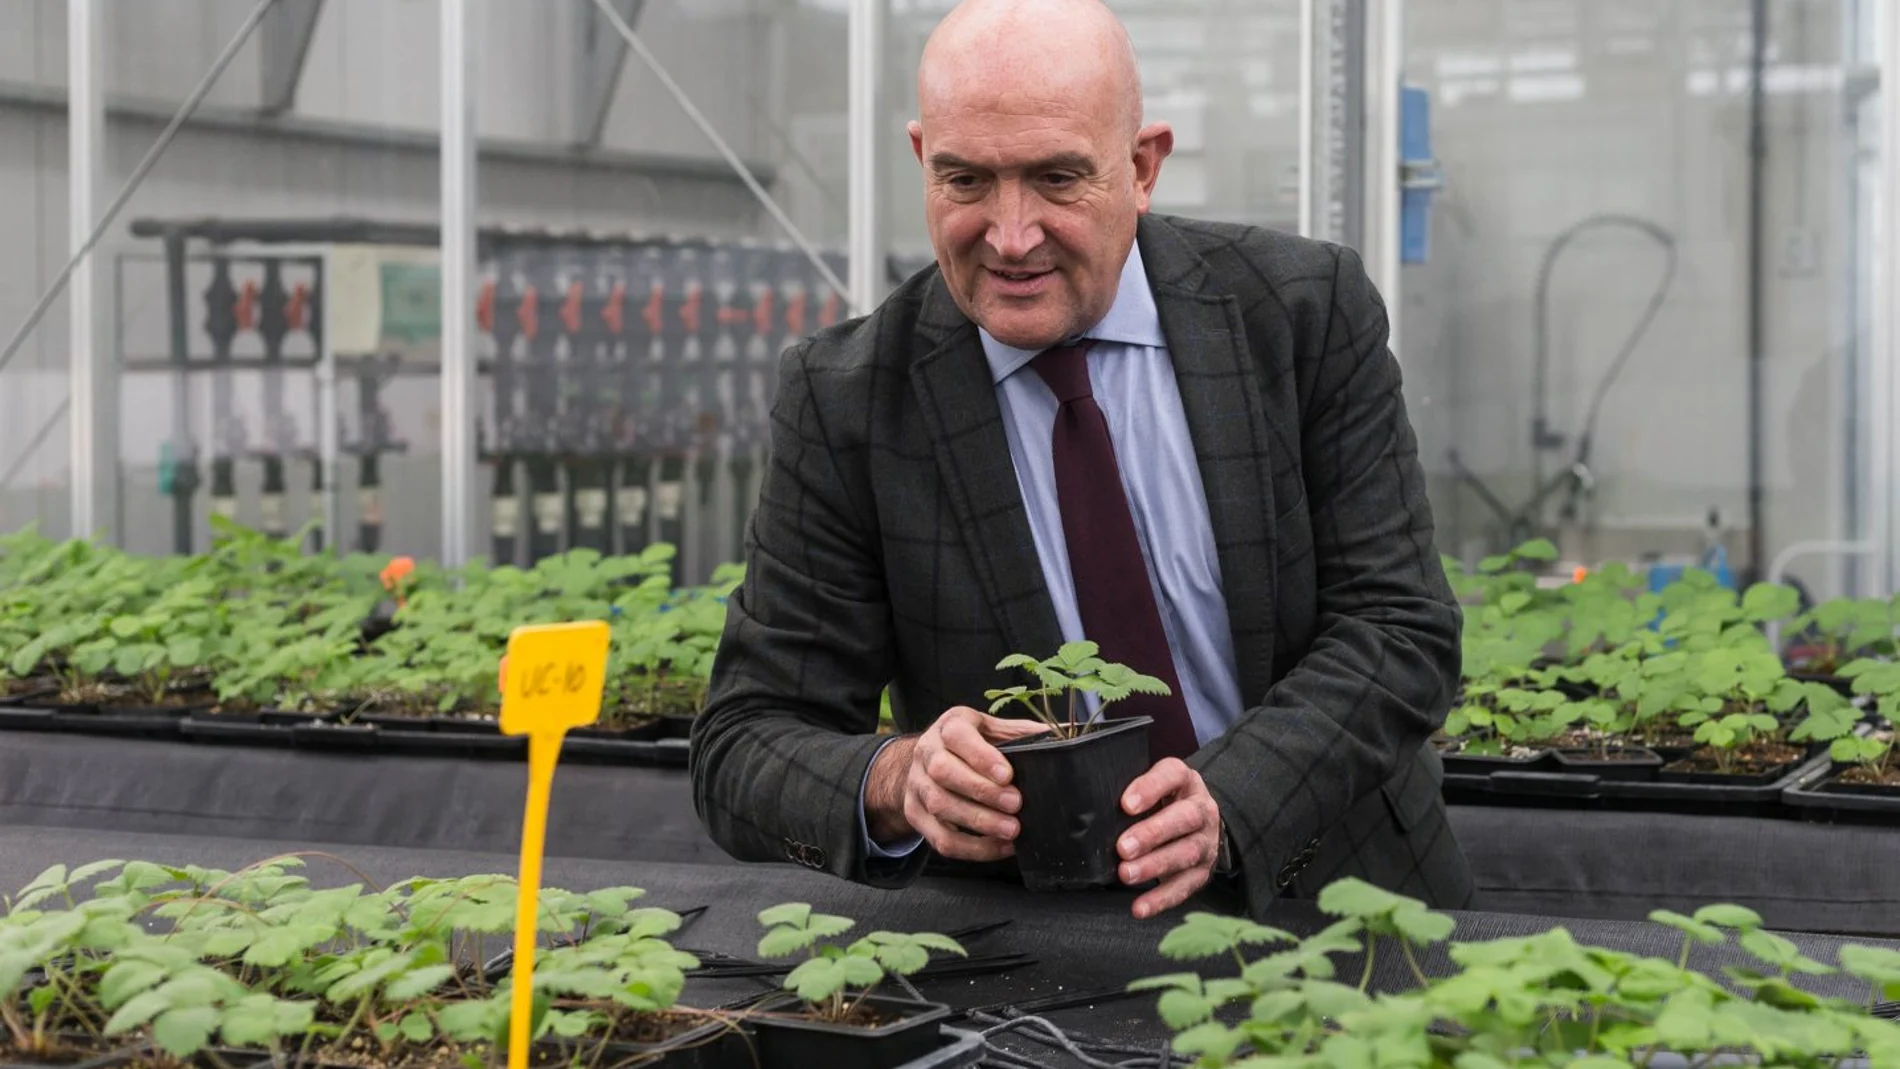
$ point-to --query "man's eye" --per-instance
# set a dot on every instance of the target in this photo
(1058, 180)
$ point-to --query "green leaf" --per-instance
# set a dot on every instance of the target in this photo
(1538, 549)
(1353, 897)
(416, 1028)
(136, 1011)
(816, 979)
(1706, 934)
(792, 913)
(418, 982)
(125, 979)
(97, 868)
(1333, 1000)
(1214, 1042)
(1724, 915)
(1184, 1009)
(1876, 964)
(1420, 925)
(1185, 980)
(184, 1032)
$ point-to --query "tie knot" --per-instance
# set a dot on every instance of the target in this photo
(1066, 369)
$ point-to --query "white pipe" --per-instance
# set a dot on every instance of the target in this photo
(458, 273)
(1795, 550)
(1882, 383)
(1309, 227)
(85, 130)
(865, 245)
(1384, 61)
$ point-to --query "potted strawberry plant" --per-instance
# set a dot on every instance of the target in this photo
(1072, 778)
(1839, 631)
(831, 1014)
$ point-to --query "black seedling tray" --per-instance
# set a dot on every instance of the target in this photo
(1821, 797)
(1647, 789)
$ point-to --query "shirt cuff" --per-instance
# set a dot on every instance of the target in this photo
(902, 849)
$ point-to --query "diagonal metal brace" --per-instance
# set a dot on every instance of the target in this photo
(603, 53)
(284, 42)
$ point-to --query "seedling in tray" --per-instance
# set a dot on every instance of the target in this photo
(1073, 671)
(824, 979)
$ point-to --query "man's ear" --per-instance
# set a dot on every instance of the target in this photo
(917, 139)
(1152, 145)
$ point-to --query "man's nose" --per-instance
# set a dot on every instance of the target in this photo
(1016, 225)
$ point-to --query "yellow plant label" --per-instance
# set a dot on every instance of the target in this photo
(556, 675)
(551, 680)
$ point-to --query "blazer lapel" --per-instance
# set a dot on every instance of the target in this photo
(1221, 392)
(965, 423)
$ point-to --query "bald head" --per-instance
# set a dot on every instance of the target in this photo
(1075, 50)
(1036, 164)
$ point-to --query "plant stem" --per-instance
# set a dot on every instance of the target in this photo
(1418, 973)
(1365, 978)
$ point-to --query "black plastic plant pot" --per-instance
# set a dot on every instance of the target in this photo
(1072, 812)
(1459, 764)
(784, 1039)
(1616, 762)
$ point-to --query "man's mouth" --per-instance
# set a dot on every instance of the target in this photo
(1020, 283)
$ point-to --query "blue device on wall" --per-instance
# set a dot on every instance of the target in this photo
(1419, 176)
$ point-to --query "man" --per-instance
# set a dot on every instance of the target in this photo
(936, 502)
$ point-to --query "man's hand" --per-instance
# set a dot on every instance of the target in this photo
(951, 786)
(1178, 844)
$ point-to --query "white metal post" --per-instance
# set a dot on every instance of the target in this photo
(1385, 56)
(1882, 403)
(458, 273)
(1309, 94)
(865, 242)
(85, 130)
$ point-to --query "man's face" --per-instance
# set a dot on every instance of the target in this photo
(1032, 199)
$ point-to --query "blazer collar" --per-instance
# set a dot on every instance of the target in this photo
(1220, 392)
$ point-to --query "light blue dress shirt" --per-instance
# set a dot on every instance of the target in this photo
(1133, 381)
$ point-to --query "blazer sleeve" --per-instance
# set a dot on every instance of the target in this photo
(1381, 670)
(780, 751)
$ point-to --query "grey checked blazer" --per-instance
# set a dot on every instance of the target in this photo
(891, 545)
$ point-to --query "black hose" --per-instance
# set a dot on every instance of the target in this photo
(1542, 436)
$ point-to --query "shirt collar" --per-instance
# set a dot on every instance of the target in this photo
(1131, 320)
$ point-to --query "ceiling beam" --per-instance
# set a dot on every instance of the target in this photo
(285, 36)
(602, 53)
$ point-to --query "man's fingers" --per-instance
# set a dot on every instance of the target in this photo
(957, 845)
(1169, 776)
(1178, 856)
(963, 813)
(963, 738)
(1007, 729)
(1170, 894)
(1181, 818)
(949, 772)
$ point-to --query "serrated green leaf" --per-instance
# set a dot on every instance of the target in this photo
(184, 1032)
(137, 1010)
(1212, 1041)
(792, 913)
(1187, 980)
(780, 942)
(1725, 915)
(816, 979)
(124, 979)
(1353, 897)
(1184, 1009)
(1706, 934)
(1332, 1000)
(418, 982)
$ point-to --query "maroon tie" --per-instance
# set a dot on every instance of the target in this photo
(1116, 600)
